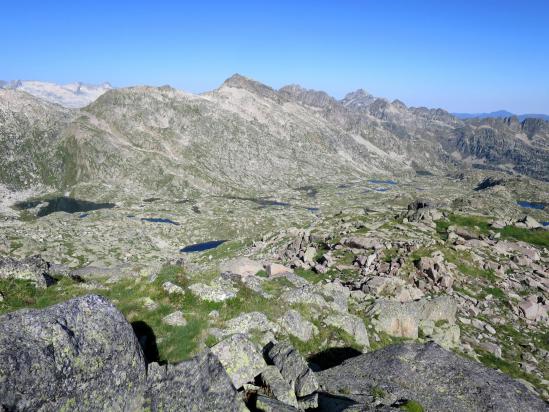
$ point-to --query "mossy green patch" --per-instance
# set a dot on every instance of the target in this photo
(538, 237)
(412, 406)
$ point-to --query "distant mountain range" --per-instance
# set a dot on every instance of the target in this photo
(242, 137)
(500, 114)
(71, 95)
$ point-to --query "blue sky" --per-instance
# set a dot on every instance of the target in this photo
(459, 55)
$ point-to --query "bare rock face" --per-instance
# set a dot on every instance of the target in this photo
(437, 379)
(78, 355)
(293, 368)
(403, 319)
(199, 384)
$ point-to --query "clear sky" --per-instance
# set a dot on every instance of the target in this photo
(466, 56)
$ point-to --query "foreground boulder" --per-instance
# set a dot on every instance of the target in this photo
(425, 373)
(78, 355)
(199, 384)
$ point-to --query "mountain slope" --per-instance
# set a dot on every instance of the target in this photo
(30, 132)
(247, 137)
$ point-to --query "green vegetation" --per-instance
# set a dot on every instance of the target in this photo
(310, 275)
(538, 237)
(495, 292)
(476, 272)
(378, 393)
(175, 343)
(479, 223)
(262, 274)
(412, 406)
(509, 368)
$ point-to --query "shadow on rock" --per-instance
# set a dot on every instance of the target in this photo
(331, 357)
(147, 340)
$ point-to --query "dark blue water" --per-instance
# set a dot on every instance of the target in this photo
(159, 220)
(63, 204)
(382, 182)
(545, 223)
(382, 189)
(313, 209)
(531, 205)
(130, 216)
(266, 203)
(260, 201)
(83, 215)
(200, 247)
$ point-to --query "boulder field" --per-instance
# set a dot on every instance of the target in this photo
(82, 355)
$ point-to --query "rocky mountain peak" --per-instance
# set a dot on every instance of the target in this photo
(398, 103)
(309, 97)
(241, 82)
(358, 99)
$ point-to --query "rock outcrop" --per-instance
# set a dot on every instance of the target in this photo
(34, 269)
(199, 384)
(437, 379)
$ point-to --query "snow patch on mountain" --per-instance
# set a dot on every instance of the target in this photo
(71, 95)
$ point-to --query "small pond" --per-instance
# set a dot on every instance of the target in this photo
(382, 182)
(200, 247)
(531, 205)
(159, 220)
(62, 204)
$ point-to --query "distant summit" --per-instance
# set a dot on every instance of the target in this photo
(358, 99)
(71, 95)
(500, 114)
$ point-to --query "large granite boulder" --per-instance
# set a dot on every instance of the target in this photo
(78, 355)
(437, 379)
(199, 384)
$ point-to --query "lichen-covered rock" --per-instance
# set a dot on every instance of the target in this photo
(219, 291)
(199, 384)
(78, 355)
(293, 368)
(294, 324)
(241, 359)
(172, 288)
(266, 404)
(437, 379)
(351, 324)
(34, 269)
(246, 323)
(280, 389)
(175, 319)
